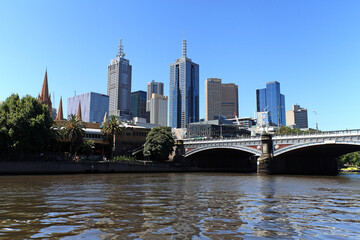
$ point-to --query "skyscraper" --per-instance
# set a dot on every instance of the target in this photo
(220, 99)
(183, 91)
(158, 113)
(297, 117)
(138, 104)
(153, 87)
(119, 85)
(271, 100)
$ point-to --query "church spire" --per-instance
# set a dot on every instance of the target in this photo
(60, 115)
(44, 96)
(78, 114)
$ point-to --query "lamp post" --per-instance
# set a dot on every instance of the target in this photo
(317, 129)
(279, 124)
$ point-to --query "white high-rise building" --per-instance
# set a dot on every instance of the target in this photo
(158, 106)
(153, 87)
(119, 85)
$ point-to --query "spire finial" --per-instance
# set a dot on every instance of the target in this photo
(121, 53)
(184, 48)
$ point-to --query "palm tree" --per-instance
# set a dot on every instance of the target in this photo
(110, 128)
(74, 132)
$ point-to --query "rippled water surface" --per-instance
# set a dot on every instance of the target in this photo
(179, 206)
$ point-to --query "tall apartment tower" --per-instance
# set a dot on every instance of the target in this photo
(270, 99)
(183, 91)
(153, 87)
(119, 85)
(220, 99)
(297, 117)
(158, 106)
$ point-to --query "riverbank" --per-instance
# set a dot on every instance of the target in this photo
(68, 167)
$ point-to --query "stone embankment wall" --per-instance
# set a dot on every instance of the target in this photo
(54, 167)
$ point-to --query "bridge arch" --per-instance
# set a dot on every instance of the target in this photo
(311, 158)
(248, 150)
(222, 158)
(341, 147)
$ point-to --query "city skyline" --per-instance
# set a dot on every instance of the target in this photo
(312, 49)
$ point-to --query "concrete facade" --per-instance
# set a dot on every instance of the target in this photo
(221, 100)
(297, 117)
(158, 106)
(153, 87)
(119, 85)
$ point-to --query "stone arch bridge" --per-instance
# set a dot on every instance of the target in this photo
(312, 153)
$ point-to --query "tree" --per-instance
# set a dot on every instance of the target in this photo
(73, 131)
(25, 126)
(110, 128)
(159, 143)
(352, 159)
(87, 147)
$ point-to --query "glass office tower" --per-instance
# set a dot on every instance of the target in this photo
(270, 100)
(183, 92)
(93, 106)
(138, 104)
(119, 85)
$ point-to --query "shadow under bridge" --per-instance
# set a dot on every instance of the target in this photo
(313, 158)
(229, 159)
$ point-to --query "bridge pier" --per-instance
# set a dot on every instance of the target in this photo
(265, 161)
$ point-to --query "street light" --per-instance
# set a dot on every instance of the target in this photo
(279, 124)
(316, 121)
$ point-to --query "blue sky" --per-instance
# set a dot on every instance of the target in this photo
(311, 47)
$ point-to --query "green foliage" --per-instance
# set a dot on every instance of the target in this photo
(25, 126)
(110, 128)
(288, 130)
(87, 147)
(73, 131)
(124, 158)
(352, 159)
(159, 143)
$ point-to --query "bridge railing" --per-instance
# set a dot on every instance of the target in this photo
(319, 133)
(220, 139)
(322, 133)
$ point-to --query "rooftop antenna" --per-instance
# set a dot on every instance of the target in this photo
(184, 48)
(120, 53)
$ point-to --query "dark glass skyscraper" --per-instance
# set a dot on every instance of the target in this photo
(119, 85)
(138, 104)
(183, 92)
(270, 99)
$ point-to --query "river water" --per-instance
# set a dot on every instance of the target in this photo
(180, 206)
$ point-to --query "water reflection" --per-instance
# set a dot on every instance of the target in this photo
(179, 206)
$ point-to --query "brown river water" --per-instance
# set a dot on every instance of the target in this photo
(179, 206)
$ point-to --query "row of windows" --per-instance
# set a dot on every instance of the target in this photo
(94, 136)
(143, 134)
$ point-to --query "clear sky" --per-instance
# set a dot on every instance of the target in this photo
(311, 47)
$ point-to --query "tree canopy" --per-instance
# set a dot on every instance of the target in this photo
(159, 143)
(110, 128)
(25, 125)
(73, 131)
